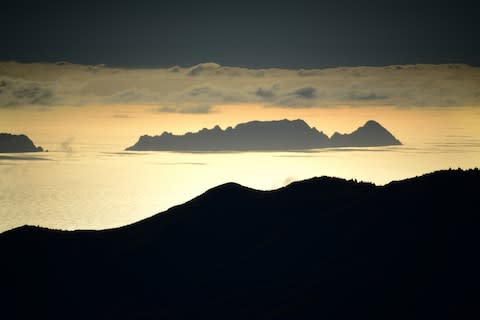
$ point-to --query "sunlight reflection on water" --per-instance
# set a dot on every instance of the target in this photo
(94, 189)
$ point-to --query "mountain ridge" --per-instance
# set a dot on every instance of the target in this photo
(323, 247)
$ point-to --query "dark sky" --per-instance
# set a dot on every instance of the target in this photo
(294, 34)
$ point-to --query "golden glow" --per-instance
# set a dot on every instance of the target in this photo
(89, 184)
(121, 125)
(87, 115)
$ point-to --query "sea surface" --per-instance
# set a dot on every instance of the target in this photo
(98, 186)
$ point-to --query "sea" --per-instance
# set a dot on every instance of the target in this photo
(90, 185)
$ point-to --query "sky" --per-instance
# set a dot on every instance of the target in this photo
(183, 65)
(249, 34)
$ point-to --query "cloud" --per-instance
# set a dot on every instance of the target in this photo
(303, 97)
(121, 116)
(194, 109)
(133, 95)
(365, 96)
(202, 68)
(265, 93)
(203, 91)
(210, 69)
(18, 92)
(33, 94)
(175, 69)
(198, 89)
(307, 73)
(211, 95)
(305, 93)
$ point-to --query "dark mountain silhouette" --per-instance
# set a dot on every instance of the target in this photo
(265, 135)
(371, 134)
(17, 143)
(324, 248)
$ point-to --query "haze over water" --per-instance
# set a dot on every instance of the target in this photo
(87, 183)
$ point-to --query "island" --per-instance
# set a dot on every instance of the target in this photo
(371, 134)
(278, 135)
(11, 143)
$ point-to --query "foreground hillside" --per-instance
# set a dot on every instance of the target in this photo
(320, 248)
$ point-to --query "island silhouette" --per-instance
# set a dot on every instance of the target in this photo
(11, 143)
(324, 248)
(275, 135)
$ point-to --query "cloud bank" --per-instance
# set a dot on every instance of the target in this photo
(198, 89)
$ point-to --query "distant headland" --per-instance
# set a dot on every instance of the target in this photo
(11, 143)
(276, 135)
